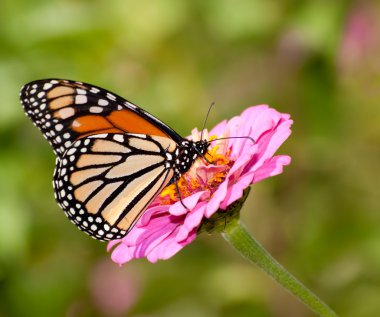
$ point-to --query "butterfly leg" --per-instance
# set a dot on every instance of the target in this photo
(180, 198)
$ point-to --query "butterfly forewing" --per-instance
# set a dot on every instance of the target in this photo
(105, 182)
(66, 110)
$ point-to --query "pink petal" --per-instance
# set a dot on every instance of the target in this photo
(192, 221)
(168, 248)
(240, 164)
(219, 128)
(271, 167)
(271, 141)
(151, 212)
(216, 199)
(208, 171)
(112, 243)
(235, 191)
(190, 202)
(121, 254)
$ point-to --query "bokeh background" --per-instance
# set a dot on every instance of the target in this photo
(317, 60)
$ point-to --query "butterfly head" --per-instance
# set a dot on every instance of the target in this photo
(201, 147)
(187, 153)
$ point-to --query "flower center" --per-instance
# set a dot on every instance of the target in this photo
(202, 176)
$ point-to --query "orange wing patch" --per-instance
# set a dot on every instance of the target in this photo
(116, 122)
(91, 123)
(131, 122)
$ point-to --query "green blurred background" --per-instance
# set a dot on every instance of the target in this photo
(317, 60)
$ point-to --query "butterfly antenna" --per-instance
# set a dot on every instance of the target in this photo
(204, 123)
(235, 137)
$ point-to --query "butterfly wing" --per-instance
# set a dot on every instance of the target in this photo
(66, 110)
(105, 182)
(113, 158)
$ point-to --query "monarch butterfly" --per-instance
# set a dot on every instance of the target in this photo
(112, 157)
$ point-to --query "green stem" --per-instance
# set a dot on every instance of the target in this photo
(236, 234)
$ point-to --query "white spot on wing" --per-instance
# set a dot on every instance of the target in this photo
(95, 109)
(47, 85)
(130, 105)
(80, 99)
(71, 151)
(66, 112)
(99, 136)
(111, 96)
(103, 102)
(59, 127)
(119, 138)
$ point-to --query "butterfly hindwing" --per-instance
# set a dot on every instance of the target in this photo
(104, 182)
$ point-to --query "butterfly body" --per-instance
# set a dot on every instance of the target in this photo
(113, 158)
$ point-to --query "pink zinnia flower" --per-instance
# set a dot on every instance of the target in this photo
(236, 163)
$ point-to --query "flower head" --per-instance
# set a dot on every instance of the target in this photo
(211, 185)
